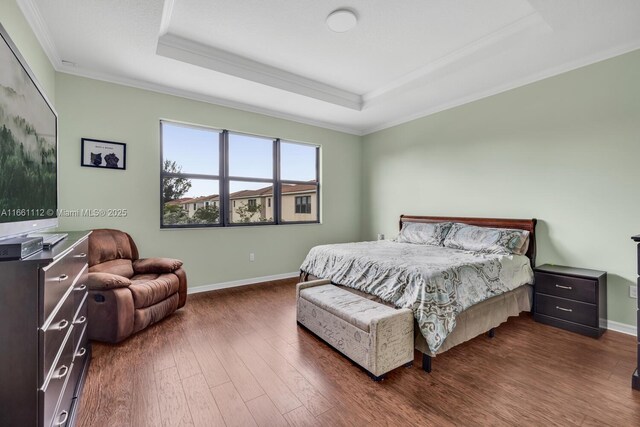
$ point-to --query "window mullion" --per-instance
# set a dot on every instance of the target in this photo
(277, 199)
(225, 202)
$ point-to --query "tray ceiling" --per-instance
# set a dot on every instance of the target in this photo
(402, 61)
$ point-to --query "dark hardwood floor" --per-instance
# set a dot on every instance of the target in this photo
(236, 357)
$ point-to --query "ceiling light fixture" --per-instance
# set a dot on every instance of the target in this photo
(341, 20)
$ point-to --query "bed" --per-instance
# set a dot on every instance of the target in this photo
(455, 294)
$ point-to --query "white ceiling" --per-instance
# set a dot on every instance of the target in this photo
(402, 61)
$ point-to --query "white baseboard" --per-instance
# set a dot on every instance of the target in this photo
(242, 282)
(621, 327)
(611, 324)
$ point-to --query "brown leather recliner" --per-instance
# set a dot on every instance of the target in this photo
(127, 294)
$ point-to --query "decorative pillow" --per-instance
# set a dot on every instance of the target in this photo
(488, 240)
(419, 233)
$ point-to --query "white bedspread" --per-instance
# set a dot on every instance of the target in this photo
(437, 283)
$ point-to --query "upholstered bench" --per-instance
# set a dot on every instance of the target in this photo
(377, 337)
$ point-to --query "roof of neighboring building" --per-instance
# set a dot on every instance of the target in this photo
(178, 201)
(245, 194)
(268, 191)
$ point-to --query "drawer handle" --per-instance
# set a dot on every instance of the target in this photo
(62, 372)
(62, 277)
(62, 418)
(81, 352)
(564, 309)
(564, 287)
(80, 255)
(62, 325)
(80, 288)
(80, 320)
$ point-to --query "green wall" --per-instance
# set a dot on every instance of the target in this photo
(89, 108)
(565, 150)
(14, 22)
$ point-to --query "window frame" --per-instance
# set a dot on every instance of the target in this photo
(224, 180)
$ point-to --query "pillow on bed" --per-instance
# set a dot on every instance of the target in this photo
(421, 233)
(487, 240)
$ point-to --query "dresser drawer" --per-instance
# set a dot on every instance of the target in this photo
(80, 341)
(573, 311)
(584, 290)
(80, 290)
(80, 316)
(60, 275)
(80, 354)
(53, 333)
(63, 410)
(52, 391)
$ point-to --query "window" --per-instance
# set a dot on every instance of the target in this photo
(303, 204)
(220, 178)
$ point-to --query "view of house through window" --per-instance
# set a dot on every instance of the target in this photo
(218, 178)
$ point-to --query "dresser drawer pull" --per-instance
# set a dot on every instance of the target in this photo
(564, 309)
(62, 372)
(81, 352)
(80, 320)
(80, 288)
(61, 325)
(80, 255)
(62, 277)
(564, 287)
(62, 418)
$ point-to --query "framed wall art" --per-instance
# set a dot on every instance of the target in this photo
(103, 154)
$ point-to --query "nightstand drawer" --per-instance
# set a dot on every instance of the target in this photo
(567, 287)
(573, 311)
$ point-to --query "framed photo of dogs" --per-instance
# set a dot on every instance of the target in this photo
(103, 154)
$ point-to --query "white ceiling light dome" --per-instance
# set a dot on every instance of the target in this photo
(342, 20)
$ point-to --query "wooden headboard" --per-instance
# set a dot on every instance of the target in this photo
(523, 224)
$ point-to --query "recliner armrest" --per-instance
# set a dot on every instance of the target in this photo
(106, 281)
(156, 265)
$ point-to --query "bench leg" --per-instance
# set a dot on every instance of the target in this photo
(426, 363)
(408, 365)
(491, 333)
(376, 379)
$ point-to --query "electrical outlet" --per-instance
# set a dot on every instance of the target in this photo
(252, 257)
(633, 291)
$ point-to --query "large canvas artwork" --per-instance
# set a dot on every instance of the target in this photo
(28, 134)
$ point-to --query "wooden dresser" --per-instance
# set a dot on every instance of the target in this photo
(571, 298)
(43, 318)
(635, 379)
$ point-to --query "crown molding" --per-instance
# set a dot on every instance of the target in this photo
(32, 14)
(36, 22)
(167, 12)
(532, 21)
(541, 75)
(167, 90)
(192, 52)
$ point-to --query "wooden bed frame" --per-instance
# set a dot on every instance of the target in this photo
(520, 224)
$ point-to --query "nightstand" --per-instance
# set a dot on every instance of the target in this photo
(574, 299)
